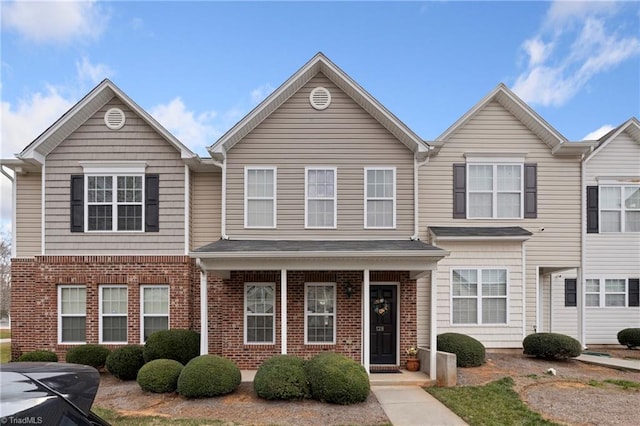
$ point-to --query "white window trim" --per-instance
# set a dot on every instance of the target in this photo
(274, 198)
(334, 198)
(599, 292)
(603, 291)
(101, 314)
(494, 190)
(478, 297)
(60, 341)
(622, 210)
(334, 314)
(367, 198)
(143, 315)
(114, 202)
(273, 338)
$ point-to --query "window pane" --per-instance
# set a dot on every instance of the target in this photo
(610, 197)
(508, 205)
(260, 299)
(379, 183)
(99, 218)
(380, 213)
(632, 197)
(465, 282)
(73, 301)
(632, 221)
(73, 329)
(153, 324)
(480, 205)
(260, 213)
(130, 218)
(465, 311)
(593, 286)
(259, 329)
(320, 328)
(593, 300)
(480, 178)
(614, 300)
(260, 183)
(494, 311)
(509, 178)
(615, 286)
(610, 221)
(114, 329)
(129, 189)
(320, 213)
(156, 301)
(114, 301)
(494, 282)
(320, 299)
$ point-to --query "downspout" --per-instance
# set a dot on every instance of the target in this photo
(223, 210)
(416, 197)
(583, 241)
(13, 213)
(204, 310)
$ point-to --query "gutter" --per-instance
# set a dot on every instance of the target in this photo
(416, 197)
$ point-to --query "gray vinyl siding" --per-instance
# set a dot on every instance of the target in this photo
(343, 136)
(495, 130)
(28, 225)
(556, 317)
(135, 141)
(205, 208)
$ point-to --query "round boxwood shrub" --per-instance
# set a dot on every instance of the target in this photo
(38, 356)
(179, 344)
(629, 337)
(551, 346)
(469, 351)
(160, 375)
(281, 377)
(337, 379)
(125, 362)
(93, 355)
(208, 375)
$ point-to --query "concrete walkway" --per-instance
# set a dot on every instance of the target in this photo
(627, 364)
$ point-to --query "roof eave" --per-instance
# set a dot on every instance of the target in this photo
(319, 254)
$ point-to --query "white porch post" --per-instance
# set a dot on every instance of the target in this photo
(204, 314)
(366, 314)
(433, 344)
(283, 311)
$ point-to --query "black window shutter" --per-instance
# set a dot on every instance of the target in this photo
(592, 209)
(76, 218)
(459, 191)
(570, 292)
(634, 291)
(530, 191)
(152, 203)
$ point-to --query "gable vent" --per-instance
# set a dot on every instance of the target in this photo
(320, 98)
(114, 118)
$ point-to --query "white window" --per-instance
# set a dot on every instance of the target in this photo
(380, 197)
(320, 313)
(494, 191)
(620, 208)
(72, 314)
(615, 292)
(114, 202)
(592, 292)
(259, 313)
(260, 197)
(608, 292)
(113, 314)
(479, 296)
(320, 197)
(154, 306)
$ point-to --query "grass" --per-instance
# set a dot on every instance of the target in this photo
(495, 403)
(119, 420)
(5, 334)
(5, 353)
(624, 384)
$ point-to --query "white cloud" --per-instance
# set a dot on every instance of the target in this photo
(93, 74)
(598, 133)
(537, 50)
(258, 94)
(55, 21)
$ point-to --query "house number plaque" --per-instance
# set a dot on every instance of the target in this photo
(379, 327)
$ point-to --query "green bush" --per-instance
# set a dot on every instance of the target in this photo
(551, 346)
(179, 344)
(125, 362)
(629, 337)
(281, 377)
(469, 351)
(38, 356)
(160, 375)
(337, 379)
(208, 375)
(93, 355)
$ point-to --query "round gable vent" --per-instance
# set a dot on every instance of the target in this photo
(114, 118)
(320, 98)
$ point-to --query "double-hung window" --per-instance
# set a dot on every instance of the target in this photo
(72, 314)
(114, 203)
(154, 308)
(494, 191)
(320, 312)
(260, 197)
(479, 296)
(620, 208)
(113, 314)
(612, 292)
(320, 197)
(592, 292)
(259, 313)
(380, 197)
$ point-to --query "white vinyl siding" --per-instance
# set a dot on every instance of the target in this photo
(72, 314)
(259, 313)
(619, 208)
(494, 191)
(154, 309)
(260, 197)
(113, 314)
(479, 296)
(320, 197)
(320, 313)
(380, 197)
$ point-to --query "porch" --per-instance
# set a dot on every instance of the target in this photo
(401, 378)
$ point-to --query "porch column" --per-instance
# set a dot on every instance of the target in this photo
(204, 315)
(433, 344)
(283, 311)
(366, 315)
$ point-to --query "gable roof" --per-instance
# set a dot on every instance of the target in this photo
(318, 64)
(631, 126)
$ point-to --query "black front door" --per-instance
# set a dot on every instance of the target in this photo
(383, 324)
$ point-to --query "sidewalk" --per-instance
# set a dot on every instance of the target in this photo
(627, 364)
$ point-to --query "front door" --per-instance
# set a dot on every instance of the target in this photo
(383, 324)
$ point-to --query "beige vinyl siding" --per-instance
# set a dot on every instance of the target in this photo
(136, 141)
(495, 130)
(471, 255)
(28, 225)
(205, 208)
(343, 136)
(423, 318)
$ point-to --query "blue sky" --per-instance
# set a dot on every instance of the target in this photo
(198, 67)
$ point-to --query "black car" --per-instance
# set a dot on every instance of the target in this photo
(48, 393)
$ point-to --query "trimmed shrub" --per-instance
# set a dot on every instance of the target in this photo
(159, 375)
(281, 377)
(38, 356)
(93, 355)
(208, 375)
(469, 351)
(629, 337)
(125, 362)
(337, 379)
(178, 344)
(551, 346)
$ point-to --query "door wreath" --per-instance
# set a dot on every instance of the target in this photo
(380, 306)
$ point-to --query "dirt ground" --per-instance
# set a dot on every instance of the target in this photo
(577, 395)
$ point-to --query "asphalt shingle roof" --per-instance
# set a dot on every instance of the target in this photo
(225, 246)
(479, 231)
